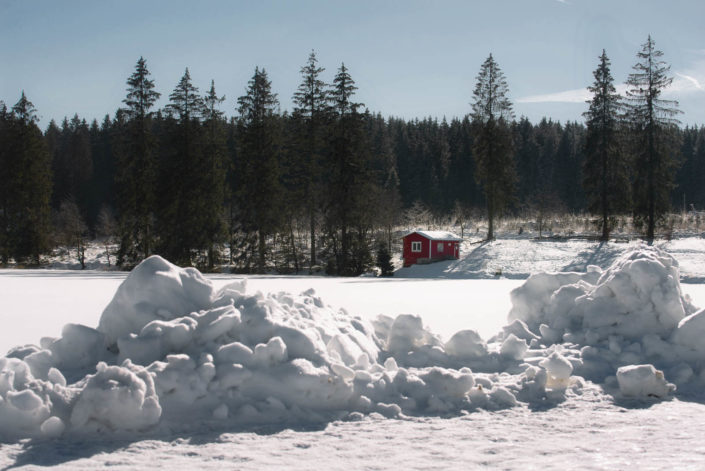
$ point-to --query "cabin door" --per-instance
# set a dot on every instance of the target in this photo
(457, 254)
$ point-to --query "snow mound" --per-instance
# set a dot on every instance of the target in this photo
(632, 313)
(643, 381)
(638, 295)
(170, 351)
(155, 290)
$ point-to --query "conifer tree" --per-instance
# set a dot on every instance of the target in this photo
(136, 167)
(182, 195)
(653, 124)
(310, 112)
(606, 178)
(492, 114)
(349, 203)
(214, 172)
(384, 261)
(4, 183)
(259, 136)
(27, 190)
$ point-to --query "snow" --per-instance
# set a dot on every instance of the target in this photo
(437, 235)
(643, 381)
(176, 354)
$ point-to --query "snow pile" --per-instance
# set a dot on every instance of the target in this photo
(633, 313)
(638, 295)
(171, 352)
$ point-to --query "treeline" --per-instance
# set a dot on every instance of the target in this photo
(321, 187)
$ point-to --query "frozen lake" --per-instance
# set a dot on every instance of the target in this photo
(37, 303)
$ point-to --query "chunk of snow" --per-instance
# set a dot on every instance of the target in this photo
(466, 344)
(513, 347)
(558, 368)
(643, 381)
(691, 333)
(52, 427)
(117, 398)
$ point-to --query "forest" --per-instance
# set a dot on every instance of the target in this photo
(325, 186)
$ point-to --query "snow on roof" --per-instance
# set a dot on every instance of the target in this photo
(437, 235)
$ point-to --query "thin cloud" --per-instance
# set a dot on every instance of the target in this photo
(685, 83)
(682, 84)
(579, 95)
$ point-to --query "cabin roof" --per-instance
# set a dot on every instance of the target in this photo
(436, 235)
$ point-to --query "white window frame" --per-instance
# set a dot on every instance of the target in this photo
(416, 246)
(440, 246)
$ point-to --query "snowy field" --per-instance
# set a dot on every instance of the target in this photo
(564, 422)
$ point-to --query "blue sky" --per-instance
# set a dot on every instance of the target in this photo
(409, 58)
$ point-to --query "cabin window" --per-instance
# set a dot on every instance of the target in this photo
(440, 246)
(416, 246)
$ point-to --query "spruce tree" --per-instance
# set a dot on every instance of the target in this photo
(310, 113)
(259, 136)
(350, 188)
(492, 115)
(606, 177)
(136, 167)
(5, 176)
(214, 172)
(27, 192)
(384, 261)
(653, 123)
(182, 194)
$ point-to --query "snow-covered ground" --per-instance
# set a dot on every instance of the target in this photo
(560, 420)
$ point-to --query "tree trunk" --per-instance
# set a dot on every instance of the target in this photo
(603, 196)
(312, 219)
(261, 249)
(293, 247)
(107, 252)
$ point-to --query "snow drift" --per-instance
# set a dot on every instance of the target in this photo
(170, 352)
(630, 314)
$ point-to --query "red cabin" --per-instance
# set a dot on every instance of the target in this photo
(430, 246)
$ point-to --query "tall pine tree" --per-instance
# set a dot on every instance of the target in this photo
(137, 167)
(606, 176)
(653, 125)
(182, 195)
(492, 115)
(310, 115)
(214, 171)
(26, 185)
(259, 135)
(350, 188)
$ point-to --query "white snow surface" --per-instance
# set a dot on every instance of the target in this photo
(181, 371)
(437, 235)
